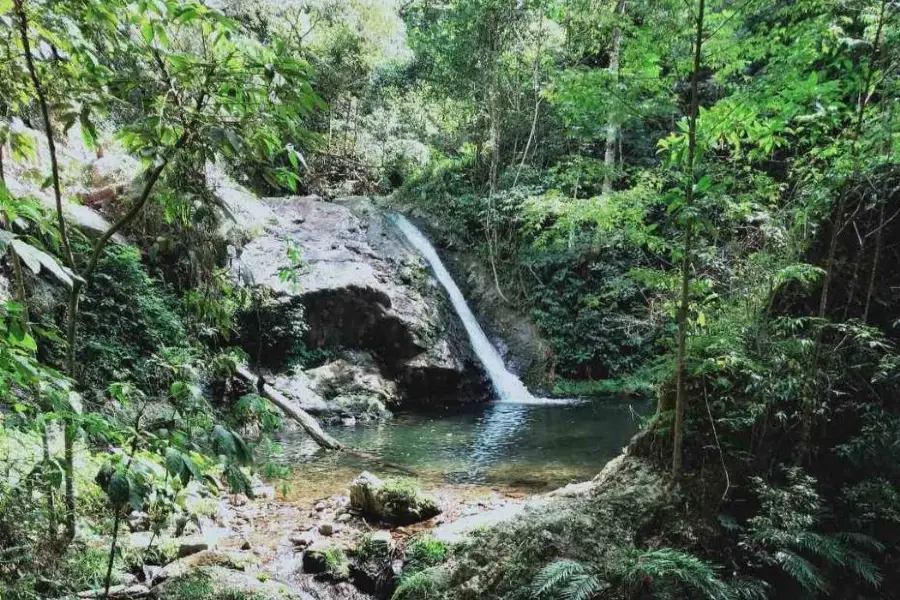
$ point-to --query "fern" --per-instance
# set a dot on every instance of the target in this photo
(583, 587)
(803, 571)
(677, 567)
(424, 585)
(555, 577)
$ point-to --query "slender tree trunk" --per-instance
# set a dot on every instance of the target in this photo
(494, 110)
(612, 126)
(22, 16)
(879, 233)
(2, 173)
(680, 400)
(112, 553)
(536, 86)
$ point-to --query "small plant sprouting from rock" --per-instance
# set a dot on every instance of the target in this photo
(338, 565)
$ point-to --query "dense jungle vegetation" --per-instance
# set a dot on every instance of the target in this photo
(691, 199)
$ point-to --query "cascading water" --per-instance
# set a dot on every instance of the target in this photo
(507, 385)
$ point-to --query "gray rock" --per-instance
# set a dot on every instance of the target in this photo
(192, 544)
(302, 540)
(138, 521)
(381, 541)
(236, 561)
(326, 529)
(344, 518)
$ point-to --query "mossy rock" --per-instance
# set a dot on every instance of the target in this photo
(220, 583)
(397, 501)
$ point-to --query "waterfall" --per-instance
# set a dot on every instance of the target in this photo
(507, 385)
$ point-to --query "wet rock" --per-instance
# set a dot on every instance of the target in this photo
(315, 558)
(393, 501)
(302, 540)
(119, 592)
(151, 574)
(326, 529)
(236, 561)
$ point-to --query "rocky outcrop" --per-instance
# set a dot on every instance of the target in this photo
(359, 287)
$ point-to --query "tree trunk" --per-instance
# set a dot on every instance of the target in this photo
(678, 428)
(612, 126)
(494, 110)
(307, 421)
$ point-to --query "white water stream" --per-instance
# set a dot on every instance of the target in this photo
(507, 385)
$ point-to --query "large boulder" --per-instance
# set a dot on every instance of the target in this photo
(355, 385)
(361, 287)
(395, 501)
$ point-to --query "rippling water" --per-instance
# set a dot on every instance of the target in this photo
(518, 446)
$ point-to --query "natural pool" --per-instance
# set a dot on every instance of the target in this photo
(515, 447)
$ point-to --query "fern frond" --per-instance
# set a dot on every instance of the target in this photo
(556, 576)
(749, 589)
(423, 585)
(681, 567)
(864, 568)
(860, 540)
(803, 571)
(583, 587)
(822, 545)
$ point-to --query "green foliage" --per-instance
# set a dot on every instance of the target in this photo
(253, 409)
(782, 535)
(126, 320)
(423, 552)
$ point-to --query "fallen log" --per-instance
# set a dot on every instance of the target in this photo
(288, 407)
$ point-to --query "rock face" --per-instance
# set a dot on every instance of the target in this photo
(396, 502)
(359, 287)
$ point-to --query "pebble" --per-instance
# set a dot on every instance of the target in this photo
(344, 518)
(320, 506)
